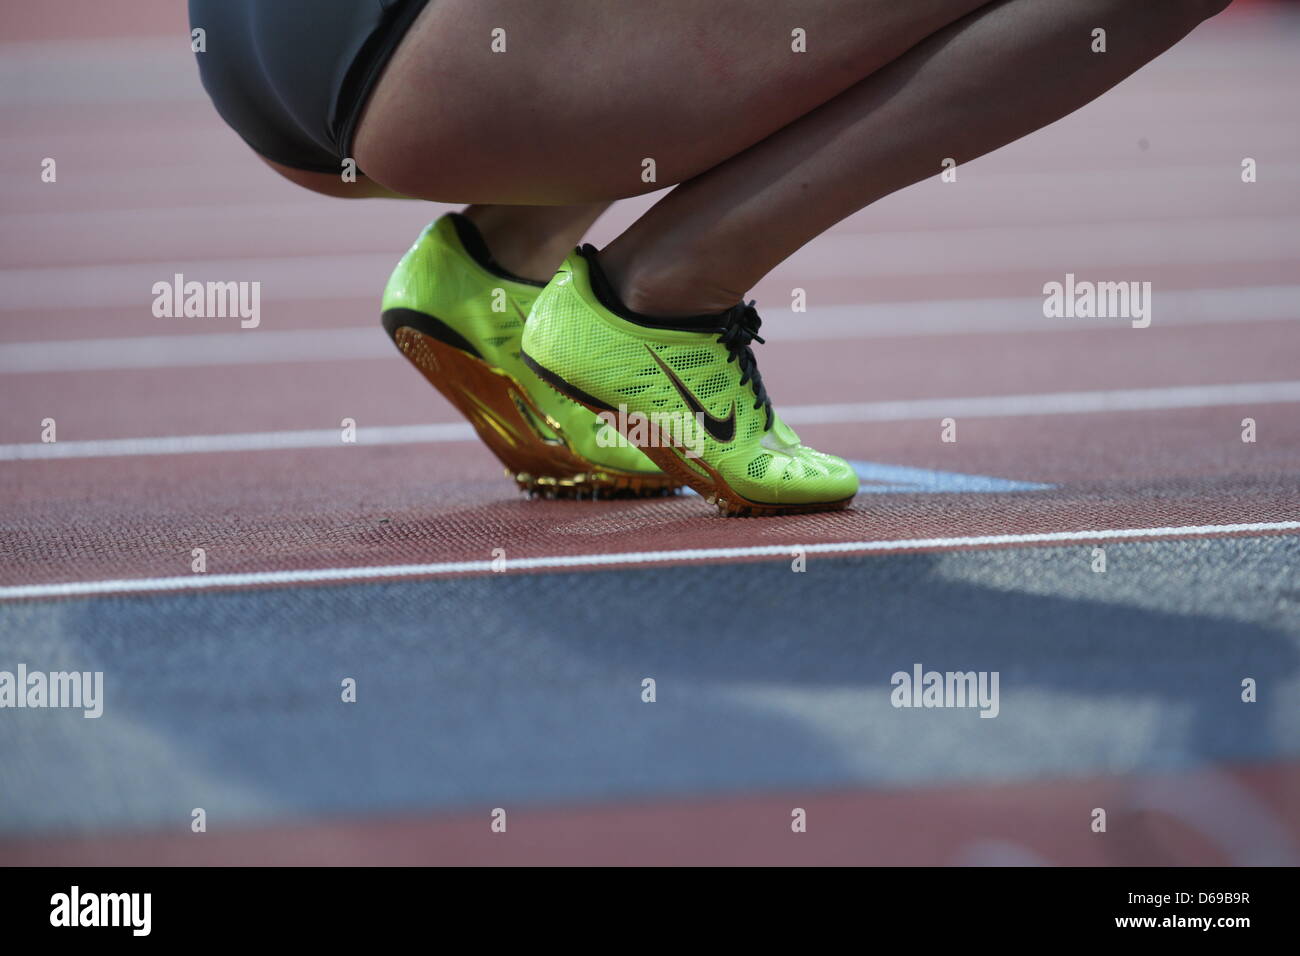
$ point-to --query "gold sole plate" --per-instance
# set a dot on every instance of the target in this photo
(515, 429)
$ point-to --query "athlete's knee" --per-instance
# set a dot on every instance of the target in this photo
(1204, 9)
(1197, 10)
(419, 167)
(1181, 11)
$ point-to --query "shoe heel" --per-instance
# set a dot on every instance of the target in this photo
(530, 445)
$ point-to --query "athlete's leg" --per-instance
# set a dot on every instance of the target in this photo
(531, 241)
(585, 92)
(1003, 71)
(1000, 73)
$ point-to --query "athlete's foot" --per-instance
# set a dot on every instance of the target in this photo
(686, 390)
(457, 315)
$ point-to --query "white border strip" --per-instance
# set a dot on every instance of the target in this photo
(990, 406)
(247, 441)
(1050, 403)
(186, 348)
(1135, 246)
(200, 582)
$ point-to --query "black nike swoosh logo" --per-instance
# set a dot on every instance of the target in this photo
(721, 430)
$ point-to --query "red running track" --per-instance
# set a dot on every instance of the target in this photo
(931, 299)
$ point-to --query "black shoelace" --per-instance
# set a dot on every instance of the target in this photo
(740, 329)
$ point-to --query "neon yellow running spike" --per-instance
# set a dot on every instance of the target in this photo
(458, 317)
(689, 396)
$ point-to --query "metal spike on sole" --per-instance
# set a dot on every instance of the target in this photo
(506, 421)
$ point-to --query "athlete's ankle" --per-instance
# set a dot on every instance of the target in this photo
(516, 249)
(532, 241)
(664, 290)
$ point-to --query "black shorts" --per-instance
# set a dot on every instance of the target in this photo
(292, 76)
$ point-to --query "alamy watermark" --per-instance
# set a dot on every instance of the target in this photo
(1073, 299)
(656, 430)
(82, 690)
(75, 908)
(922, 688)
(208, 300)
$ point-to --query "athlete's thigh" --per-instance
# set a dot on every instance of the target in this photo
(558, 101)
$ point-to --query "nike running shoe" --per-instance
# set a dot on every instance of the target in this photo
(458, 316)
(685, 391)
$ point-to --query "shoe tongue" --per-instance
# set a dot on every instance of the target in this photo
(780, 437)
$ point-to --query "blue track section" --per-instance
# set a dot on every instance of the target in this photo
(526, 689)
(878, 478)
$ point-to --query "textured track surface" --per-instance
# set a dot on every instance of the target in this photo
(470, 691)
(522, 690)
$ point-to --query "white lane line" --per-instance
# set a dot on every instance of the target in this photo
(185, 348)
(109, 72)
(248, 441)
(994, 406)
(283, 278)
(197, 582)
(1177, 307)
(76, 233)
(1125, 249)
(1058, 403)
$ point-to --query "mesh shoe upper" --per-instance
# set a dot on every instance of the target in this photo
(651, 370)
(439, 277)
